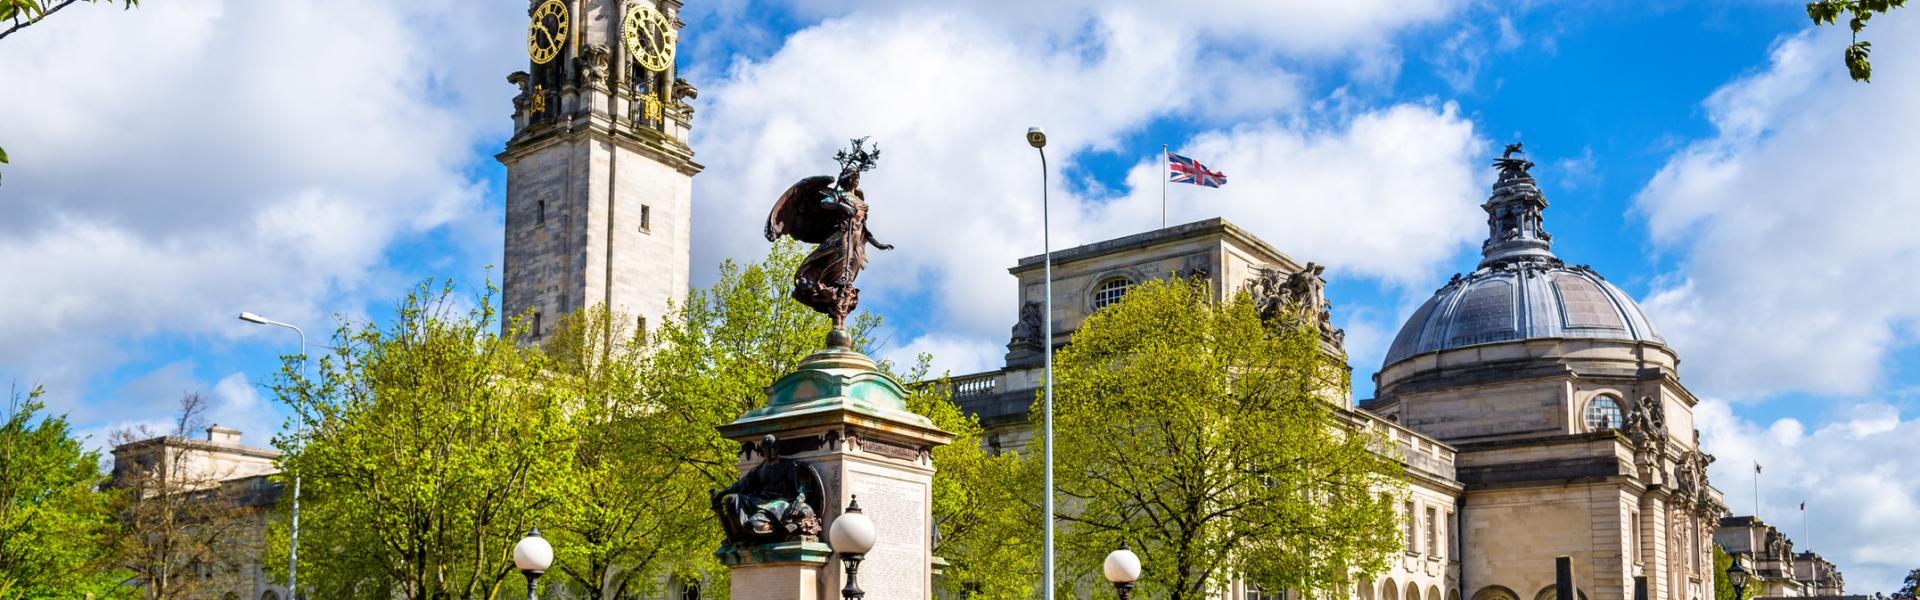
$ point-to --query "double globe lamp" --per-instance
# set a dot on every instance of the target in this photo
(532, 555)
(852, 536)
(1122, 568)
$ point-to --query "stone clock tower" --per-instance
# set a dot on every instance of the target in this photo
(599, 174)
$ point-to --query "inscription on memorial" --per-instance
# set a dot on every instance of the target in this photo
(884, 448)
(896, 567)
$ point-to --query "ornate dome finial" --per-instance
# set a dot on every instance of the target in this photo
(1516, 229)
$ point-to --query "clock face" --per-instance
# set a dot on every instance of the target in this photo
(547, 33)
(650, 38)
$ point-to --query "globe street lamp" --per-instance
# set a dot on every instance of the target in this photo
(532, 555)
(1037, 138)
(1122, 568)
(1738, 577)
(293, 543)
(852, 536)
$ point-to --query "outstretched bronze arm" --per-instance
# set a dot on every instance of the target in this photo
(876, 243)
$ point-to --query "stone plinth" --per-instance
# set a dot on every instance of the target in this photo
(788, 571)
(840, 414)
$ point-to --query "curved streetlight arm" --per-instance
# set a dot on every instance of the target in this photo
(293, 542)
(1038, 140)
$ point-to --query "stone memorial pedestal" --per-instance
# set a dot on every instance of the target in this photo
(840, 414)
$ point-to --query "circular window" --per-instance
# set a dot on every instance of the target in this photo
(1110, 291)
(1604, 414)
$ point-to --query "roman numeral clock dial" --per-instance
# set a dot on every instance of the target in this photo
(547, 33)
(650, 38)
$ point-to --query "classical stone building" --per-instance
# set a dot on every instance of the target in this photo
(1537, 410)
(599, 174)
(1776, 570)
(214, 469)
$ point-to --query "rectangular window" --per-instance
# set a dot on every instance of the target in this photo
(1452, 541)
(1413, 531)
(1638, 556)
(536, 324)
(646, 219)
(640, 330)
(541, 217)
(1433, 543)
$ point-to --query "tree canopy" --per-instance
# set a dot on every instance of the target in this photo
(55, 526)
(1207, 440)
(1858, 12)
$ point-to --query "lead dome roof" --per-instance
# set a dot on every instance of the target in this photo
(1520, 290)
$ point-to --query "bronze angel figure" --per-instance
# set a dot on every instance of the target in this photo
(831, 212)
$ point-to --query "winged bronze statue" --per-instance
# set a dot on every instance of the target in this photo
(832, 212)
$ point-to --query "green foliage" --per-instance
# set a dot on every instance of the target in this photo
(55, 526)
(1828, 12)
(984, 506)
(1910, 588)
(630, 512)
(1722, 587)
(28, 12)
(1208, 441)
(433, 444)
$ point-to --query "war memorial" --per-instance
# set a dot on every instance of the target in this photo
(1534, 408)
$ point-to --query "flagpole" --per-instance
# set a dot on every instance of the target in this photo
(1756, 492)
(1164, 168)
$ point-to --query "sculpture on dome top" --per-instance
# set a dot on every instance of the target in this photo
(831, 212)
(1511, 167)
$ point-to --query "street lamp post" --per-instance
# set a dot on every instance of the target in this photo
(852, 536)
(532, 555)
(1122, 568)
(293, 542)
(1037, 138)
(1738, 577)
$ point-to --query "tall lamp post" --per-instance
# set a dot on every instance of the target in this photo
(532, 555)
(293, 542)
(1122, 568)
(852, 536)
(1738, 577)
(1037, 138)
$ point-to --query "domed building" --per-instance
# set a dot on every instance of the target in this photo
(1573, 434)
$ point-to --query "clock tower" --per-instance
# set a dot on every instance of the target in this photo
(599, 174)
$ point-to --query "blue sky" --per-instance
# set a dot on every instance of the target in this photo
(182, 162)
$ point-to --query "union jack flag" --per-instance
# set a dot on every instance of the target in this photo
(1186, 170)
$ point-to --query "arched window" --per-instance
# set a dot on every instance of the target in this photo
(1603, 414)
(1110, 291)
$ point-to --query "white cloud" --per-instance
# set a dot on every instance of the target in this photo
(183, 161)
(1794, 223)
(948, 95)
(1854, 473)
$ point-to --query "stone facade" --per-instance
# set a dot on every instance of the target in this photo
(242, 473)
(1539, 412)
(599, 180)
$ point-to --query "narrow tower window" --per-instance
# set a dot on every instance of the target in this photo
(541, 216)
(646, 219)
(536, 324)
(640, 329)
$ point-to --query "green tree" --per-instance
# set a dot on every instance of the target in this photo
(1208, 440)
(23, 13)
(633, 513)
(1828, 12)
(984, 506)
(433, 444)
(1910, 588)
(55, 524)
(187, 527)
